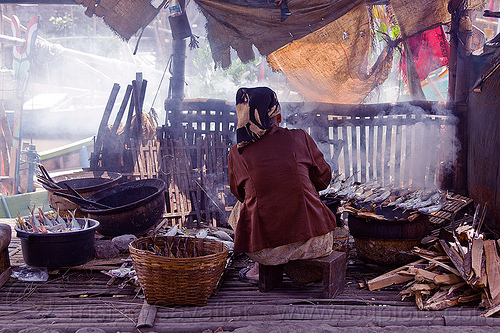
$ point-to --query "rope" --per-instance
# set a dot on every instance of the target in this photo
(158, 89)
(481, 103)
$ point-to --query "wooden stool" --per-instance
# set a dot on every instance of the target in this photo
(5, 235)
(333, 266)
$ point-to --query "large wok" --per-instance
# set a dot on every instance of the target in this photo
(136, 206)
(86, 183)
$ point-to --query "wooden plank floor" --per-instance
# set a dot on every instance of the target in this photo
(73, 299)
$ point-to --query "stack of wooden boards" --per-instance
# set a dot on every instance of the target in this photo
(132, 148)
(460, 266)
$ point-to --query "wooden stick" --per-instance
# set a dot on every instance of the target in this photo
(147, 315)
(451, 269)
(130, 114)
(104, 124)
(45, 173)
(455, 258)
(391, 277)
(491, 311)
(48, 183)
(121, 111)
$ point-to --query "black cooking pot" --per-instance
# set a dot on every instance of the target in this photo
(397, 225)
(387, 242)
(135, 207)
(59, 249)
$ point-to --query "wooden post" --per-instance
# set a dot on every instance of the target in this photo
(177, 80)
(452, 60)
(176, 88)
(121, 111)
(464, 51)
(460, 51)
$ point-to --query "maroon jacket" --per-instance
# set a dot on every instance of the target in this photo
(278, 178)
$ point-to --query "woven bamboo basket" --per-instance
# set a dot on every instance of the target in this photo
(178, 270)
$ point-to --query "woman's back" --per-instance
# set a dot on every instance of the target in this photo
(277, 178)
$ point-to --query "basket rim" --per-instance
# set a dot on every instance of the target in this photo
(133, 248)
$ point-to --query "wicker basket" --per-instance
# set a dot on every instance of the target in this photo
(178, 270)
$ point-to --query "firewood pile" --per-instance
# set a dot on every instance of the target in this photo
(460, 266)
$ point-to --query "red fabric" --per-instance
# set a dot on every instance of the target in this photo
(430, 51)
(278, 178)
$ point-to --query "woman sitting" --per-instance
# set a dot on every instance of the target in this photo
(276, 173)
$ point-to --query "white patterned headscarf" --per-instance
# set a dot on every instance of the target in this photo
(255, 107)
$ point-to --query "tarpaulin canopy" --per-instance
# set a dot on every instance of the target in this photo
(323, 46)
(242, 23)
(330, 65)
(124, 17)
(430, 51)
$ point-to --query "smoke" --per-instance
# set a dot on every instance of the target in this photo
(402, 145)
(423, 146)
(75, 64)
(206, 79)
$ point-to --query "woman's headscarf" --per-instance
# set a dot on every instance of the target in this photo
(255, 107)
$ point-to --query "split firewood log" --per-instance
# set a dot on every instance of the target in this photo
(470, 298)
(392, 277)
(477, 256)
(447, 279)
(456, 259)
(438, 261)
(423, 287)
(419, 301)
(492, 269)
(417, 250)
(485, 299)
(448, 297)
(491, 311)
(422, 275)
(388, 279)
